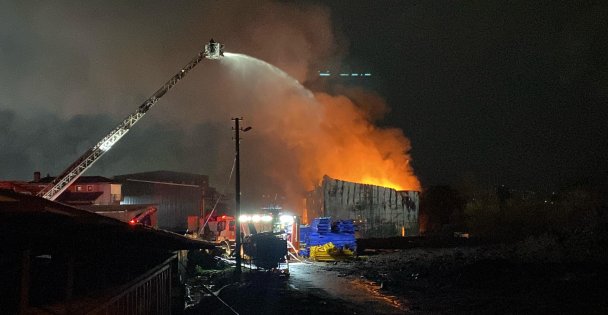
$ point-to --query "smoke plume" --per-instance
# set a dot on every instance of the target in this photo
(71, 73)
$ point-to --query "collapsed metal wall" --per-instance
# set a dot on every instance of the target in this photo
(378, 211)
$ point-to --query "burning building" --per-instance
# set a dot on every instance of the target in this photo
(378, 211)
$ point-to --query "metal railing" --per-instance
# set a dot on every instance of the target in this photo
(148, 294)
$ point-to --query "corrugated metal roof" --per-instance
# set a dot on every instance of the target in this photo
(101, 208)
(31, 222)
(80, 180)
(167, 177)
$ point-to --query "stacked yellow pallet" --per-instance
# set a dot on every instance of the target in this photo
(329, 252)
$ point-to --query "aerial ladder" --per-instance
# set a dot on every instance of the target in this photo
(212, 50)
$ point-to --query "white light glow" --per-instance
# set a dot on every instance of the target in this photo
(106, 146)
(255, 218)
(286, 219)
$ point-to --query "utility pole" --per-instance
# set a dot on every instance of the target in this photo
(237, 129)
(202, 218)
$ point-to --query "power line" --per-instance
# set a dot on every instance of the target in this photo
(218, 199)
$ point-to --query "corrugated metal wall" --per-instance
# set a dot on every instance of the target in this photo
(378, 211)
(176, 195)
(175, 203)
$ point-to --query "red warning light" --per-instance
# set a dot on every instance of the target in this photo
(132, 221)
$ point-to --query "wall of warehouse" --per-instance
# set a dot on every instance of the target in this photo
(377, 211)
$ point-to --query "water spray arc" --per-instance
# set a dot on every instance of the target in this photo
(331, 134)
(212, 50)
(242, 58)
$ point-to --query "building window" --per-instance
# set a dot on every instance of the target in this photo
(78, 188)
(89, 188)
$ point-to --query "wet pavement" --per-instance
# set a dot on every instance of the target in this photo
(309, 289)
(366, 295)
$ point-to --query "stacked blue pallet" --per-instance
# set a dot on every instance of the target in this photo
(346, 226)
(321, 225)
(319, 233)
(304, 237)
(304, 232)
(340, 240)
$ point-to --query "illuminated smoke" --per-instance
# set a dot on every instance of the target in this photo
(318, 134)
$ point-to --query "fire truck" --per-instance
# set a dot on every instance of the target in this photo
(219, 228)
(222, 229)
(267, 238)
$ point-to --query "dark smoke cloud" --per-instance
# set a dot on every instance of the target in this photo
(44, 142)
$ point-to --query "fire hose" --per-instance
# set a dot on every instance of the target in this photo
(220, 299)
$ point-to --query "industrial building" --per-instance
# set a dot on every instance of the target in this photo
(96, 194)
(86, 190)
(176, 195)
(377, 211)
(173, 195)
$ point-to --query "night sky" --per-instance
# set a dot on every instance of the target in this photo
(505, 92)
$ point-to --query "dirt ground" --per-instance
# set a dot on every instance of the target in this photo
(483, 280)
(460, 280)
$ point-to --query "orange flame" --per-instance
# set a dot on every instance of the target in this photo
(366, 154)
(349, 147)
